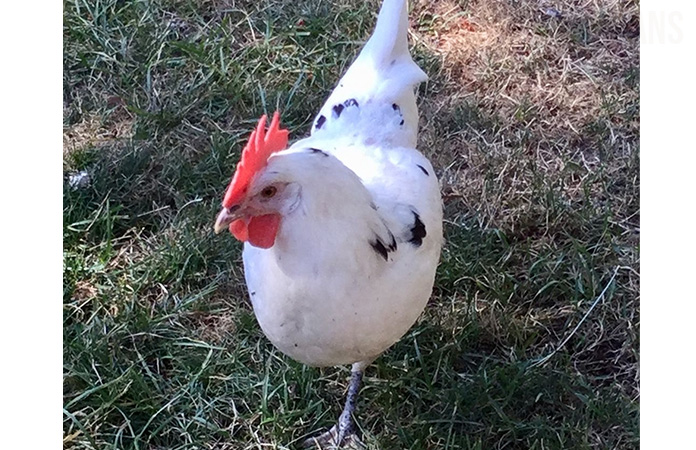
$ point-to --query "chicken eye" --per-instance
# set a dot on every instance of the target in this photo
(268, 192)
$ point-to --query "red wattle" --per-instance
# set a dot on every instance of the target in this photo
(263, 230)
(239, 229)
(260, 232)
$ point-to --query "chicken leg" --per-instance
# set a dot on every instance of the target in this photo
(346, 425)
(344, 431)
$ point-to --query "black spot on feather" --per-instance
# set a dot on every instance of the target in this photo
(392, 245)
(337, 110)
(317, 151)
(423, 169)
(396, 108)
(382, 248)
(417, 231)
(320, 121)
(351, 102)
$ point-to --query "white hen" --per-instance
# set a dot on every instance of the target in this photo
(343, 230)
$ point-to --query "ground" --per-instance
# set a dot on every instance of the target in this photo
(531, 119)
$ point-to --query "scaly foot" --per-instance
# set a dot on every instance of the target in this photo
(330, 441)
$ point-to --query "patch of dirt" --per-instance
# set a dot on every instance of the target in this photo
(84, 291)
(216, 328)
(528, 88)
(95, 130)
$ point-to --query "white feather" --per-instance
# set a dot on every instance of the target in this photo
(383, 74)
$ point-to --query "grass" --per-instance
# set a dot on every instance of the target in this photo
(531, 121)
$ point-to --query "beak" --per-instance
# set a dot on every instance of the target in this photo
(226, 216)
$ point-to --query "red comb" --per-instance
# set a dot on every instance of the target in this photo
(255, 157)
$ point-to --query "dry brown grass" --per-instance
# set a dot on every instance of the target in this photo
(531, 83)
(95, 131)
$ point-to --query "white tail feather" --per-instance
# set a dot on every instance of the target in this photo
(382, 75)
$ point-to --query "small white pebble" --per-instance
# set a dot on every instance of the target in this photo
(79, 180)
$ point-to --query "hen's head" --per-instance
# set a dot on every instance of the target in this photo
(257, 198)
